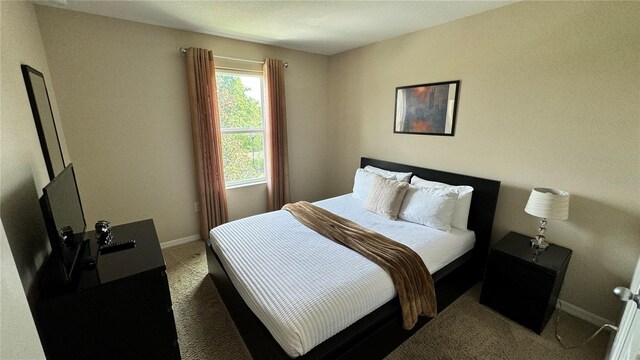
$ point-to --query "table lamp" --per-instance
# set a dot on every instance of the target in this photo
(547, 204)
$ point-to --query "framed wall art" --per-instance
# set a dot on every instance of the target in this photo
(426, 109)
(43, 116)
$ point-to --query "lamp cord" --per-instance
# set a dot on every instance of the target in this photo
(608, 326)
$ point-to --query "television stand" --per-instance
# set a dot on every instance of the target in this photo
(119, 309)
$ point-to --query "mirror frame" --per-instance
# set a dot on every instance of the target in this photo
(47, 133)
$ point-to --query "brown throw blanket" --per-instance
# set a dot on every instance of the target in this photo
(410, 276)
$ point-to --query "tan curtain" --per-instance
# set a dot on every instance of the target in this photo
(207, 142)
(276, 141)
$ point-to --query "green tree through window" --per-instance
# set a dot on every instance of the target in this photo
(242, 126)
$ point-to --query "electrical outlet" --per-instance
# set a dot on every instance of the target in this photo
(196, 206)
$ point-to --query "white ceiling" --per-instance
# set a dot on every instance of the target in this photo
(322, 27)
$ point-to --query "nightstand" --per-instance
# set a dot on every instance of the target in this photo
(519, 288)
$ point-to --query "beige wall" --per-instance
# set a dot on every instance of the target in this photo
(549, 97)
(123, 99)
(23, 174)
(247, 201)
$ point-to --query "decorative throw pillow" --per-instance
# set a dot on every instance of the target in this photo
(463, 204)
(394, 175)
(362, 184)
(432, 207)
(385, 197)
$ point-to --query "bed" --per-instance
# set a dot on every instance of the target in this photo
(374, 327)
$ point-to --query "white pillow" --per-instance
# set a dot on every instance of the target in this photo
(385, 197)
(362, 184)
(463, 204)
(400, 176)
(429, 206)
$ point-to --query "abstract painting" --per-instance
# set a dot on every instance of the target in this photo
(428, 109)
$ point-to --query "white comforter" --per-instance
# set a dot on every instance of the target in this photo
(306, 288)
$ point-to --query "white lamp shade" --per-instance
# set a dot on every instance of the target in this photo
(548, 203)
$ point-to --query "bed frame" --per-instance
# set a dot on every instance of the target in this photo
(377, 334)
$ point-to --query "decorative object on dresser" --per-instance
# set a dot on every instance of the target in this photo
(427, 109)
(119, 309)
(104, 235)
(547, 204)
(523, 290)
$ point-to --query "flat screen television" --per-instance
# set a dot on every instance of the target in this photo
(64, 219)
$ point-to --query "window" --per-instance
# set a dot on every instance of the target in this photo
(240, 103)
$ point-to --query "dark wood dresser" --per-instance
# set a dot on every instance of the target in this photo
(519, 288)
(121, 309)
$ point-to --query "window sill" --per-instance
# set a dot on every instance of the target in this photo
(238, 186)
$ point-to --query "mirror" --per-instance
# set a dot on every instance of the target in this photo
(43, 116)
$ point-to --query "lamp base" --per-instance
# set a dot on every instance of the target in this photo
(539, 244)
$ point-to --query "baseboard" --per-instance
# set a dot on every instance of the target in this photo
(176, 242)
(583, 314)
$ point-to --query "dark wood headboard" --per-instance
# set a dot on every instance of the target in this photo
(483, 201)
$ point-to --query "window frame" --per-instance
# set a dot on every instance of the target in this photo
(262, 130)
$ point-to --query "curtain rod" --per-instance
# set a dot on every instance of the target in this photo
(285, 64)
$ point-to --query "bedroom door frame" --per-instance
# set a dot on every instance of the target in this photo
(626, 344)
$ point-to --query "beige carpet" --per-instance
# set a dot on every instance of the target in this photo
(465, 330)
